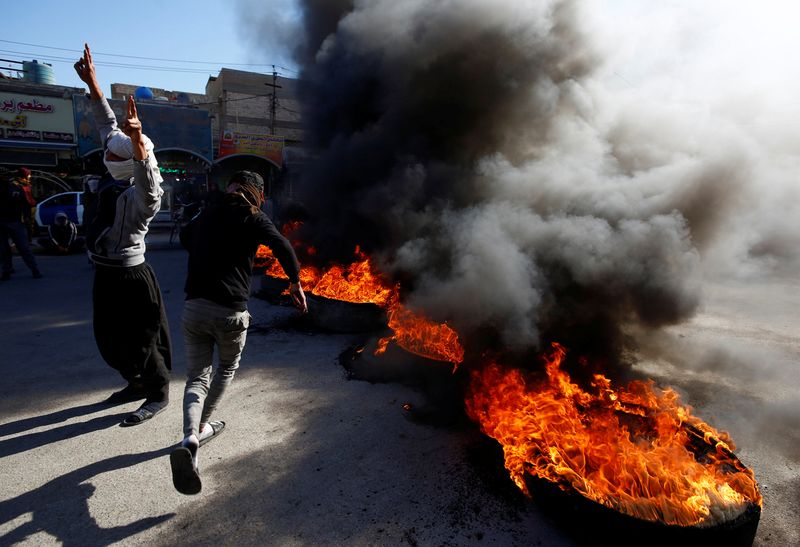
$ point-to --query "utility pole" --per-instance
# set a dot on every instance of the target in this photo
(274, 100)
(272, 107)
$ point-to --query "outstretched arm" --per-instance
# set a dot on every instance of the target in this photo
(268, 234)
(85, 69)
(104, 118)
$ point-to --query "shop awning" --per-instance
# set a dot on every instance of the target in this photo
(37, 145)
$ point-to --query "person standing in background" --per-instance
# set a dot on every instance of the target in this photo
(24, 180)
(14, 210)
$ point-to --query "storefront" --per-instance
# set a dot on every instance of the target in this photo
(36, 127)
(185, 177)
(262, 154)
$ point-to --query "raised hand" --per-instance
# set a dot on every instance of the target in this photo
(85, 66)
(132, 126)
(85, 69)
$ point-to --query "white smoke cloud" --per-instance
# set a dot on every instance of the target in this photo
(711, 82)
(544, 166)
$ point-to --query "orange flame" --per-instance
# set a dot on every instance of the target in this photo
(359, 283)
(309, 276)
(635, 449)
(356, 283)
(417, 335)
(632, 449)
(264, 257)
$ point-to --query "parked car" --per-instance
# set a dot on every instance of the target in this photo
(70, 203)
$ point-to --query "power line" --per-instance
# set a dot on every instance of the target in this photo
(109, 64)
(216, 63)
(55, 59)
(233, 100)
(58, 59)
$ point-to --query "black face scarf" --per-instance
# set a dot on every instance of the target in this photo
(250, 194)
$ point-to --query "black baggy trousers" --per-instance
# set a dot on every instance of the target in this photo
(131, 328)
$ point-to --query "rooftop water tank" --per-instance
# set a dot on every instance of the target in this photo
(38, 73)
(143, 93)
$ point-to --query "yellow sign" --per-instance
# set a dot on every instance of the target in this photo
(36, 113)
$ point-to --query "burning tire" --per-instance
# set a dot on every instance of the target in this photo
(600, 525)
(345, 317)
(273, 287)
(632, 456)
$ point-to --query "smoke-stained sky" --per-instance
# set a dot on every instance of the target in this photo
(551, 169)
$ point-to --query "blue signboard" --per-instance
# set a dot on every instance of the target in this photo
(168, 126)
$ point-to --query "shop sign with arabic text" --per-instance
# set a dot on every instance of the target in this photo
(269, 147)
(24, 114)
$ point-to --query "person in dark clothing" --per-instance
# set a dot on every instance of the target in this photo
(222, 243)
(24, 181)
(62, 236)
(130, 322)
(14, 210)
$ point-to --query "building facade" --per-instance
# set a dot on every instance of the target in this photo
(181, 134)
(37, 131)
(37, 128)
(245, 120)
(256, 122)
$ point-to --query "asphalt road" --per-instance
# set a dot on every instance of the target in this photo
(312, 458)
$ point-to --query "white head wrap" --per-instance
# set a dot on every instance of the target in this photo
(118, 143)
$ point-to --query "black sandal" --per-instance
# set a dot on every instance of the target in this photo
(143, 413)
(185, 476)
(216, 429)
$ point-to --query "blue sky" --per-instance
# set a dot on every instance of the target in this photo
(679, 45)
(212, 33)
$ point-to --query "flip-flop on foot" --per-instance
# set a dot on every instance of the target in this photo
(213, 431)
(185, 476)
(143, 413)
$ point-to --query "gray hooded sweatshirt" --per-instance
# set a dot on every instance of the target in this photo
(122, 244)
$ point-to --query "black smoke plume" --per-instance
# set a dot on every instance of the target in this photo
(457, 145)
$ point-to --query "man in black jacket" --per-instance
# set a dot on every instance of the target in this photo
(222, 242)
